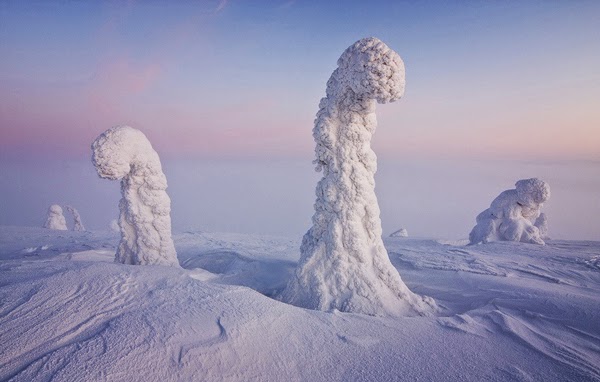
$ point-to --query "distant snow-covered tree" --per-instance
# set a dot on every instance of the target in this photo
(343, 263)
(125, 153)
(77, 224)
(515, 215)
(55, 219)
(402, 232)
(114, 226)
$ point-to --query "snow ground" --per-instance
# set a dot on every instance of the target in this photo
(512, 311)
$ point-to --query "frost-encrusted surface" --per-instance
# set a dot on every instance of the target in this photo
(55, 218)
(515, 215)
(77, 223)
(125, 153)
(511, 312)
(344, 264)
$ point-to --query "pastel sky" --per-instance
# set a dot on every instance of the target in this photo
(242, 79)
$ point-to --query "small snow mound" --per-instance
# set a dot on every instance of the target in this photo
(402, 232)
(594, 262)
(453, 243)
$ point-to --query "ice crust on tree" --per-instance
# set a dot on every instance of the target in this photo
(55, 219)
(125, 153)
(344, 265)
(77, 223)
(402, 232)
(515, 215)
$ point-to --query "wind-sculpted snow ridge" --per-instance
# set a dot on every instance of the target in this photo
(77, 223)
(55, 219)
(515, 215)
(344, 265)
(125, 153)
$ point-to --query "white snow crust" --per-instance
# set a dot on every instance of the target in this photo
(509, 311)
(513, 215)
(77, 223)
(125, 153)
(55, 219)
(344, 265)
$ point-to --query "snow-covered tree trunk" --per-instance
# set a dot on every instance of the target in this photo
(343, 263)
(125, 153)
(55, 219)
(77, 223)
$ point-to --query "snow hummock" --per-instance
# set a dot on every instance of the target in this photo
(402, 232)
(513, 215)
(125, 153)
(344, 265)
(77, 223)
(55, 219)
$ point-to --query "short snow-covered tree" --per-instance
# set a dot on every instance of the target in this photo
(343, 263)
(125, 153)
(77, 223)
(515, 215)
(55, 219)
(402, 232)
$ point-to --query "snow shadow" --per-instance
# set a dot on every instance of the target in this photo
(267, 277)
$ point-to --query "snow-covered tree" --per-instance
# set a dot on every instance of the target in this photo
(402, 232)
(514, 214)
(125, 153)
(343, 263)
(114, 226)
(55, 219)
(77, 224)
(542, 224)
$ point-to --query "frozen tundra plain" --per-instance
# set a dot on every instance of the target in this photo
(509, 312)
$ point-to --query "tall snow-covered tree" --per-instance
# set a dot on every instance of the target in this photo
(343, 263)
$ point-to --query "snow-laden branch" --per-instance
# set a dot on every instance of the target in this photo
(55, 218)
(343, 263)
(125, 153)
(515, 215)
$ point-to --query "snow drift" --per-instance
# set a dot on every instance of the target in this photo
(515, 215)
(125, 153)
(77, 223)
(343, 263)
(55, 218)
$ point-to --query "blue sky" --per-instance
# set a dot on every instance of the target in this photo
(227, 92)
(243, 78)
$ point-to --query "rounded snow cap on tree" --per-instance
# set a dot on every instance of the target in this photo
(373, 69)
(119, 148)
(55, 209)
(533, 191)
